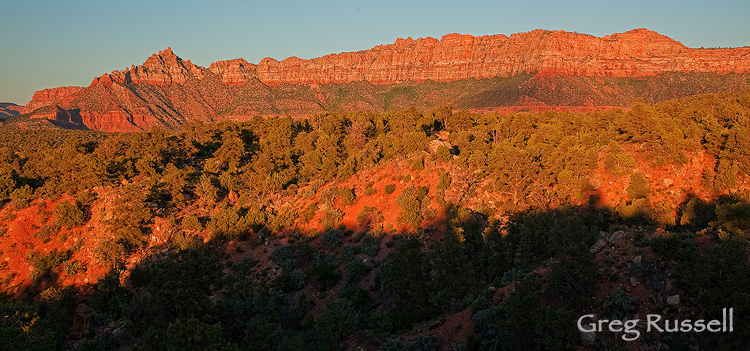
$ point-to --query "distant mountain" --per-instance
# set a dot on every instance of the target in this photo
(8, 109)
(528, 71)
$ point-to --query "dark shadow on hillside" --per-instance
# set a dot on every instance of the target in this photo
(268, 290)
(8, 110)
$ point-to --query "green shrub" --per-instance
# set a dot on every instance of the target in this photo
(328, 196)
(23, 328)
(390, 188)
(294, 281)
(445, 181)
(224, 224)
(192, 223)
(339, 320)
(411, 205)
(299, 279)
(347, 197)
(425, 342)
(186, 241)
(325, 272)
(310, 211)
(45, 233)
(417, 164)
(331, 218)
(618, 163)
(370, 245)
(732, 217)
(349, 252)
(69, 215)
(130, 214)
(308, 193)
(406, 275)
(486, 328)
(333, 238)
(638, 188)
(355, 271)
(188, 335)
(45, 264)
(21, 197)
(111, 253)
(540, 235)
(284, 257)
(86, 198)
(619, 305)
(369, 217)
(358, 296)
(673, 245)
(72, 268)
(719, 276)
(7, 181)
(511, 275)
(698, 213)
(443, 153)
(572, 280)
(179, 285)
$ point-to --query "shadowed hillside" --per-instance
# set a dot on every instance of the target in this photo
(9, 109)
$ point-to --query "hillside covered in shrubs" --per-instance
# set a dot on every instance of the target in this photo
(404, 230)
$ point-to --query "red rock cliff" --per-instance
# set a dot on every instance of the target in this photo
(233, 72)
(56, 96)
(636, 53)
(168, 91)
(164, 68)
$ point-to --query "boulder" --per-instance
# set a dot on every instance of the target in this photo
(598, 245)
(616, 236)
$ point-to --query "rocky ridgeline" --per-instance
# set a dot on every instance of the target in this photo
(9, 109)
(636, 53)
(235, 72)
(164, 68)
(62, 96)
(167, 90)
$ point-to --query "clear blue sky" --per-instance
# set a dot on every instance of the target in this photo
(45, 44)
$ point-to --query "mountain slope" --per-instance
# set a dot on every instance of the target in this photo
(536, 70)
(9, 109)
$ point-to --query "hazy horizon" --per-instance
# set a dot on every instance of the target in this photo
(49, 44)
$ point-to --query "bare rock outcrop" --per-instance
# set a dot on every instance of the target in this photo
(168, 91)
(636, 53)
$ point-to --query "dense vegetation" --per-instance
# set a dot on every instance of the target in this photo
(333, 287)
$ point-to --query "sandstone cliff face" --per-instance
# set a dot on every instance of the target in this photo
(118, 121)
(235, 72)
(546, 69)
(164, 68)
(62, 96)
(56, 113)
(636, 53)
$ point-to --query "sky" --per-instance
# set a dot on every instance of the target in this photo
(46, 44)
